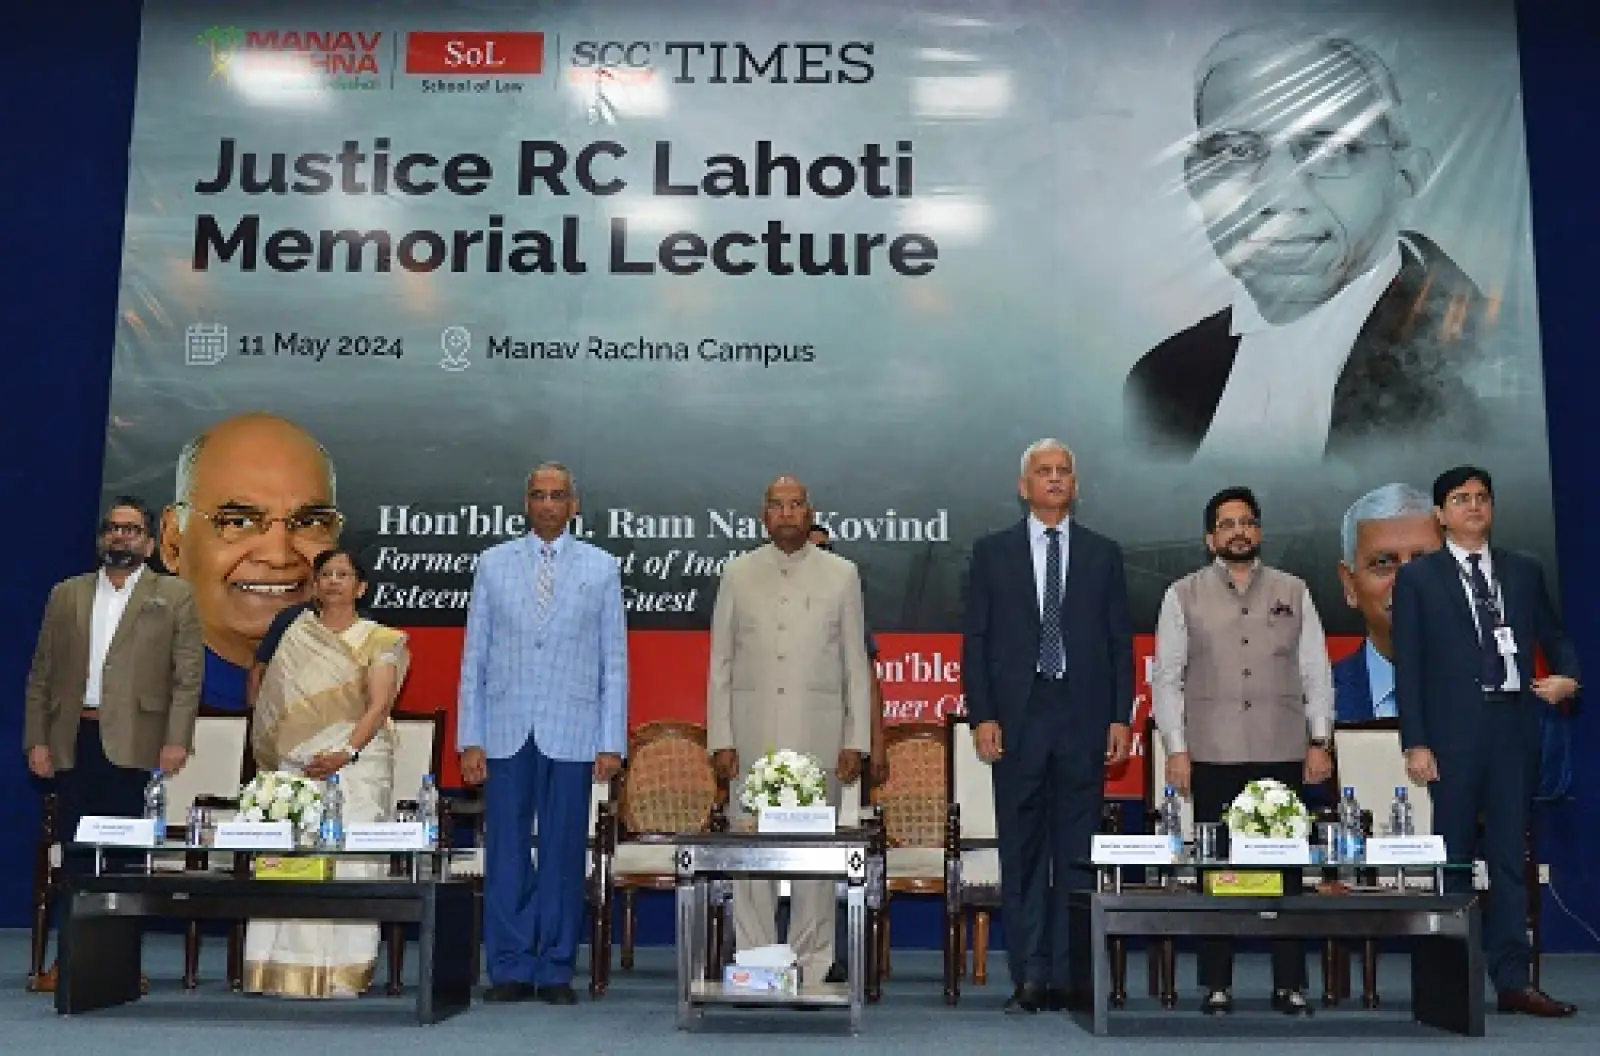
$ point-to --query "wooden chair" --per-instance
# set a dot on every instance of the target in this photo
(216, 768)
(667, 787)
(913, 802)
(971, 858)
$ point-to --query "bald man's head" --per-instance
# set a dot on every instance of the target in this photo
(254, 507)
(787, 513)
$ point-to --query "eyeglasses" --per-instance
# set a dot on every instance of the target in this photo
(1240, 155)
(558, 495)
(132, 531)
(792, 506)
(1229, 524)
(233, 524)
(1470, 498)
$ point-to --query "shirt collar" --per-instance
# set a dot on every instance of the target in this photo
(104, 581)
(1357, 299)
(791, 560)
(558, 545)
(1460, 552)
(1037, 528)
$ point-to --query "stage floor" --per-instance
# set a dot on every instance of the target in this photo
(638, 1017)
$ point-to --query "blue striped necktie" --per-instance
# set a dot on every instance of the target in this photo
(1052, 650)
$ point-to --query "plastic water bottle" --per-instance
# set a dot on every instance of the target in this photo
(1352, 843)
(1400, 823)
(1171, 821)
(331, 833)
(428, 811)
(155, 803)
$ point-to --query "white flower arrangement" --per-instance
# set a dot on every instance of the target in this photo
(1269, 808)
(784, 779)
(280, 796)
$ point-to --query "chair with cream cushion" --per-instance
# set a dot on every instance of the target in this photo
(913, 801)
(972, 858)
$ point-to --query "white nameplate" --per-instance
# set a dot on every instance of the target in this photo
(117, 832)
(1406, 850)
(254, 836)
(796, 819)
(386, 836)
(1131, 850)
(1258, 850)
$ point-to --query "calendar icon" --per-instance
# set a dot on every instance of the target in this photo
(205, 344)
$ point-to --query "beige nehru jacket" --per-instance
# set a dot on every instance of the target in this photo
(789, 664)
(1241, 676)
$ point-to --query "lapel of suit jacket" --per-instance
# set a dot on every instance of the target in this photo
(143, 591)
(1020, 557)
(1450, 576)
(83, 608)
(1507, 579)
(1077, 547)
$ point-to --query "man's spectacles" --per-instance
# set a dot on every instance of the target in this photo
(1470, 498)
(233, 524)
(1228, 525)
(1240, 155)
(132, 531)
(558, 495)
(792, 506)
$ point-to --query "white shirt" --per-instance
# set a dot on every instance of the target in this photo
(109, 605)
(1278, 402)
(1040, 544)
(1513, 682)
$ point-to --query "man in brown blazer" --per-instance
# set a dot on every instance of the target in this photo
(115, 682)
(789, 670)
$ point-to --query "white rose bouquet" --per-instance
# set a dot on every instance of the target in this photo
(280, 796)
(1269, 808)
(784, 779)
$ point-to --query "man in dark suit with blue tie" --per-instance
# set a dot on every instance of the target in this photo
(1466, 621)
(1048, 669)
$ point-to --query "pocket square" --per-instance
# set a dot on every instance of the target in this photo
(1282, 608)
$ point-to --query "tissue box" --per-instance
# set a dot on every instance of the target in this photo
(762, 980)
(1259, 883)
(269, 867)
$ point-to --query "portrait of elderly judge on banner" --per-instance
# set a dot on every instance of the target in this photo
(1344, 325)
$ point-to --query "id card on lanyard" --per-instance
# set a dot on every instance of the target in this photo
(1505, 641)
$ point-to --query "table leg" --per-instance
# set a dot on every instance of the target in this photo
(688, 942)
(855, 930)
(1447, 980)
(444, 952)
(98, 960)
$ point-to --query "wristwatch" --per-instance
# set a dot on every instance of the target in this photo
(350, 750)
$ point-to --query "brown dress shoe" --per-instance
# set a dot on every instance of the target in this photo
(1532, 1002)
(44, 982)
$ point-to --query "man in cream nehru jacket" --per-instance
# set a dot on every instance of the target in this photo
(789, 670)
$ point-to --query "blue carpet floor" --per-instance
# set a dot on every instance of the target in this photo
(638, 1017)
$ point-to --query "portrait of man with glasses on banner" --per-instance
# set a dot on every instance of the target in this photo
(254, 506)
(1344, 327)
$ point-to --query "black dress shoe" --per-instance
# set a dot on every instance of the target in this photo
(504, 993)
(837, 973)
(1217, 1003)
(1291, 1003)
(1531, 1002)
(1058, 999)
(560, 994)
(1026, 1000)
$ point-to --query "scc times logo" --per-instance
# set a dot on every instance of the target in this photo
(722, 62)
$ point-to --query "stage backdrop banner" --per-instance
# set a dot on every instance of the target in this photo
(684, 248)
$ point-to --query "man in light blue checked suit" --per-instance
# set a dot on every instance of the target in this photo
(543, 712)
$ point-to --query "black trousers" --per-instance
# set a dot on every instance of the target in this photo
(1214, 786)
(96, 786)
(1492, 776)
(1049, 788)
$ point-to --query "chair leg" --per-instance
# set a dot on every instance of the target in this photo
(1169, 973)
(980, 948)
(961, 944)
(628, 923)
(191, 955)
(885, 966)
(1330, 969)
(1369, 973)
(40, 937)
(600, 946)
(397, 958)
(954, 954)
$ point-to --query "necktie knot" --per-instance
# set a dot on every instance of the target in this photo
(1474, 560)
(1052, 532)
(550, 551)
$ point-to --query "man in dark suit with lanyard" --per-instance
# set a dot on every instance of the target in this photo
(1466, 620)
(1048, 670)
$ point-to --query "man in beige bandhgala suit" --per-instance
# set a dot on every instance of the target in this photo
(789, 670)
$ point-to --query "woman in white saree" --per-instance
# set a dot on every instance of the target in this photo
(323, 708)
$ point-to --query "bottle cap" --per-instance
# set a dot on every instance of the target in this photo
(1171, 791)
(1350, 790)
(1400, 791)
